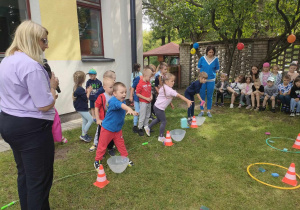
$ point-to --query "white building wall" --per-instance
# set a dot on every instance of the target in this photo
(117, 45)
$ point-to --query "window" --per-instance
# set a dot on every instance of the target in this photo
(90, 27)
(12, 13)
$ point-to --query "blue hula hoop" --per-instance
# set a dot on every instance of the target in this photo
(267, 141)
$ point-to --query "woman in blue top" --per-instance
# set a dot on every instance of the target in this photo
(208, 63)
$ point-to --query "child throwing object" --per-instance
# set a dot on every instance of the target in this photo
(113, 123)
(164, 98)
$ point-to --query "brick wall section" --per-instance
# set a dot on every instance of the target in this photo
(254, 52)
(184, 50)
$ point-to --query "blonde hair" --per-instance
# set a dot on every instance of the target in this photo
(117, 85)
(147, 71)
(153, 67)
(26, 39)
(203, 75)
(79, 78)
(275, 66)
(109, 74)
(107, 81)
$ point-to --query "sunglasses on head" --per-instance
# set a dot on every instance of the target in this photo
(45, 41)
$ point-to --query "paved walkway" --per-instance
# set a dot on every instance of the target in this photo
(65, 126)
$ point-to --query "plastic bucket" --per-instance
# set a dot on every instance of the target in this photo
(118, 164)
(177, 134)
(200, 120)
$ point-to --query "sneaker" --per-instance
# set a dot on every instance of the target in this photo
(240, 105)
(161, 139)
(93, 148)
(97, 164)
(89, 137)
(248, 107)
(94, 120)
(64, 140)
(273, 110)
(209, 114)
(298, 114)
(135, 129)
(221, 104)
(283, 108)
(141, 132)
(201, 114)
(112, 152)
(292, 114)
(262, 108)
(147, 130)
(190, 121)
(85, 138)
(231, 106)
(216, 104)
(130, 164)
(287, 110)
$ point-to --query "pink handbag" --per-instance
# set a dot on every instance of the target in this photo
(56, 128)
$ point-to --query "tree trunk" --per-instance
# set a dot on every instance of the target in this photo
(169, 38)
(163, 40)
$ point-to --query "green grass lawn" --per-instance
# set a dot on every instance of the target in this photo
(207, 168)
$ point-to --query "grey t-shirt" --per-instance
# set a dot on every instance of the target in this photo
(271, 91)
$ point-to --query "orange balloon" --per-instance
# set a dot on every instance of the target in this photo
(291, 38)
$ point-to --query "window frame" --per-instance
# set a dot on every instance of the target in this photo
(29, 18)
(96, 6)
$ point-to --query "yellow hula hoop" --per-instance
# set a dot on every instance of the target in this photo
(282, 188)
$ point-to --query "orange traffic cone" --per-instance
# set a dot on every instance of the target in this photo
(168, 142)
(290, 176)
(194, 123)
(297, 142)
(101, 178)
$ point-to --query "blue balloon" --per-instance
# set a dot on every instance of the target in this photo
(196, 45)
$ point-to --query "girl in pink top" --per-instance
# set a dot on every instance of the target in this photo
(265, 74)
(164, 98)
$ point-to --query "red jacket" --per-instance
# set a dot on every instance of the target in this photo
(100, 104)
(144, 88)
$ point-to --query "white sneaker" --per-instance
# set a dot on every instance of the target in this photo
(240, 105)
(231, 106)
(298, 114)
(292, 114)
(147, 130)
(161, 139)
(248, 107)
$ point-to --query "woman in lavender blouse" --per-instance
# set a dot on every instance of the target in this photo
(27, 99)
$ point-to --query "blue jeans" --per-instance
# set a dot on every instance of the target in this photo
(87, 121)
(295, 104)
(285, 100)
(137, 109)
(192, 107)
(207, 89)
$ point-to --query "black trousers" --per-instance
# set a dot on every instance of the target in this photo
(152, 103)
(32, 144)
(220, 96)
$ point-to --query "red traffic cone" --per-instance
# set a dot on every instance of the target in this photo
(194, 123)
(101, 178)
(297, 142)
(168, 142)
(290, 176)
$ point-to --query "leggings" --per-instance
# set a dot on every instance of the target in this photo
(137, 109)
(207, 88)
(160, 117)
(87, 121)
(248, 102)
(220, 95)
